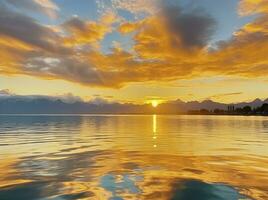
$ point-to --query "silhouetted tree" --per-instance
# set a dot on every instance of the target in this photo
(247, 109)
(218, 111)
(264, 109)
(239, 110)
(204, 111)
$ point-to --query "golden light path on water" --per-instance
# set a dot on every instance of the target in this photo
(133, 157)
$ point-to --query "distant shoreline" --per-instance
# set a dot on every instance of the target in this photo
(118, 114)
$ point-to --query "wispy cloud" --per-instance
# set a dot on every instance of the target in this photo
(170, 44)
(216, 96)
(47, 7)
(136, 7)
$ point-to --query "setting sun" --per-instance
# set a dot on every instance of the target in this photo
(155, 103)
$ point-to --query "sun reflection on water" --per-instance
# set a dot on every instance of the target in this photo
(154, 130)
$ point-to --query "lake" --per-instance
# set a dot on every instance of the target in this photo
(115, 157)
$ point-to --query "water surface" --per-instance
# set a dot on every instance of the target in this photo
(133, 157)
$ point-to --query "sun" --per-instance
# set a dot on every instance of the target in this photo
(154, 103)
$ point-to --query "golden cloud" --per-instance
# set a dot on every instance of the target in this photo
(84, 32)
(167, 46)
(249, 7)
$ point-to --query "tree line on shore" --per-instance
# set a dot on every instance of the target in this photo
(246, 110)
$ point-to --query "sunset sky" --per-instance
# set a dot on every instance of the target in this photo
(135, 50)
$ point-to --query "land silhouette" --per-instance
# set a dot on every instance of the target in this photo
(16, 104)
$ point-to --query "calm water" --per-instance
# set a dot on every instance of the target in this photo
(133, 157)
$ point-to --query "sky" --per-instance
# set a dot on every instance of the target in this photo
(135, 50)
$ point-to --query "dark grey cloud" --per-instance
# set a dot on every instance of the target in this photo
(75, 23)
(190, 29)
(49, 57)
(68, 68)
(77, 71)
(29, 31)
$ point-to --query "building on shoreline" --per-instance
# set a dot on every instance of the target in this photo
(231, 108)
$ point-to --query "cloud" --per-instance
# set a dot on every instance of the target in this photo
(225, 95)
(36, 50)
(193, 29)
(99, 101)
(27, 31)
(33, 49)
(66, 68)
(85, 32)
(67, 98)
(169, 45)
(22, 38)
(249, 7)
(47, 7)
(245, 53)
(136, 7)
(171, 34)
(5, 92)
(183, 52)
